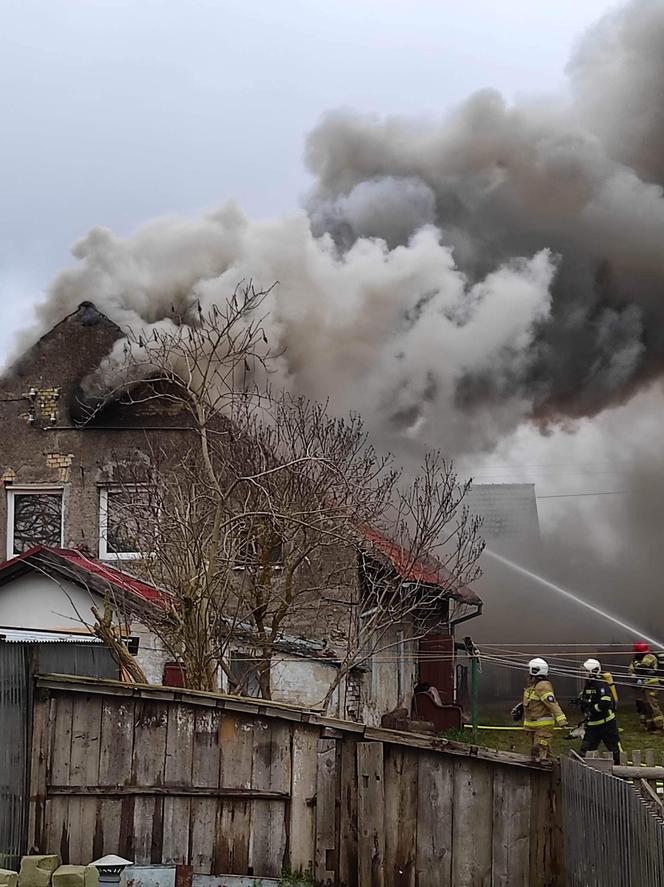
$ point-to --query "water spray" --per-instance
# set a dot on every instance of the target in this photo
(573, 597)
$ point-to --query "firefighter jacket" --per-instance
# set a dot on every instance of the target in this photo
(644, 668)
(597, 703)
(540, 708)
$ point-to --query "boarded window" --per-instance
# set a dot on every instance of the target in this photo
(35, 518)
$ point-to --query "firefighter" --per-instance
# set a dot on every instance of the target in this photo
(598, 704)
(644, 669)
(539, 710)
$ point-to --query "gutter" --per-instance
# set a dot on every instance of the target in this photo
(455, 622)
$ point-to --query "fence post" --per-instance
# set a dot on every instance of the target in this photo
(474, 695)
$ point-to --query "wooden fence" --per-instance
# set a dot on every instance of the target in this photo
(245, 787)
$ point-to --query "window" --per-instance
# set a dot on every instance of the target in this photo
(124, 522)
(244, 665)
(34, 517)
(258, 549)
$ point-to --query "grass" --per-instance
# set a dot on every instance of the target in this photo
(631, 736)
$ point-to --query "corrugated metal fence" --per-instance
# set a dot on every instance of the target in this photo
(612, 837)
(17, 663)
(14, 707)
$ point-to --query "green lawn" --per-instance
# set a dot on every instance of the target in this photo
(631, 736)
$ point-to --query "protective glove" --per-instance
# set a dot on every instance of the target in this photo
(517, 712)
(578, 701)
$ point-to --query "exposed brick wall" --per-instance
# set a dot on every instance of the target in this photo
(41, 443)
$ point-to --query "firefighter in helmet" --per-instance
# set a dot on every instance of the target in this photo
(598, 703)
(644, 668)
(540, 710)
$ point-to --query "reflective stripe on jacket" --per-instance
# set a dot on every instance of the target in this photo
(645, 667)
(540, 708)
(597, 702)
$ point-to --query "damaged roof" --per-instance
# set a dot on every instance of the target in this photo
(425, 570)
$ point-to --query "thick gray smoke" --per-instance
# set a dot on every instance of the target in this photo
(449, 280)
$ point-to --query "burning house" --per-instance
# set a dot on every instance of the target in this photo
(64, 530)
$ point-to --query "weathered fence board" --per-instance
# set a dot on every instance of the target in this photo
(371, 814)
(246, 788)
(326, 813)
(302, 811)
(435, 805)
(473, 816)
(511, 828)
(178, 771)
(401, 783)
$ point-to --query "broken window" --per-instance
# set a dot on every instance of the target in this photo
(259, 546)
(125, 520)
(34, 518)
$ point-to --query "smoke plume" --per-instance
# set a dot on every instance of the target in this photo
(449, 279)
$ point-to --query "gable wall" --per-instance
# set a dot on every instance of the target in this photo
(52, 449)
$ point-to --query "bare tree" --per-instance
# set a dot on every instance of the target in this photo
(270, 516)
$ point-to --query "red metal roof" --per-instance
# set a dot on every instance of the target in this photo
(41, 555)
(425, 570)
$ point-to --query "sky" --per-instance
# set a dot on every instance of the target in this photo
(116, 111)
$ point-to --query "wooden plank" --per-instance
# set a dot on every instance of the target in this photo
(511, 828)
(638, 772)
(371, 815)
(636, 757)
(347, 873)
(541, 827)
(38, 767)
(326, 813)
(472, 823)
(178, 772)
(206, 762)
(302, 828)
(234, 820)
(649, 757)
(401, 777)
(271, 770)
(259, 857)
(165, 791)
(59, 764)
(84, 769)
(649, 792)
(435, 801)
(280, 781)
(115, 754)
(148, 765)
(117, 741)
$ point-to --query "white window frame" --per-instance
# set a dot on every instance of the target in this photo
(31, 490)
(104, 553)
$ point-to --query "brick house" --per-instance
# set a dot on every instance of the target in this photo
(58, 493)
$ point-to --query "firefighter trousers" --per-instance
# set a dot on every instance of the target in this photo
(606, 733)
(650, 714)
(540, 743)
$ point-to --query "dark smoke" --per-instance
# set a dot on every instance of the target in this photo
(453, 279)
(582, 179)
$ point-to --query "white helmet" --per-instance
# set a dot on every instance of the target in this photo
(538, 666)
(592, 666)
